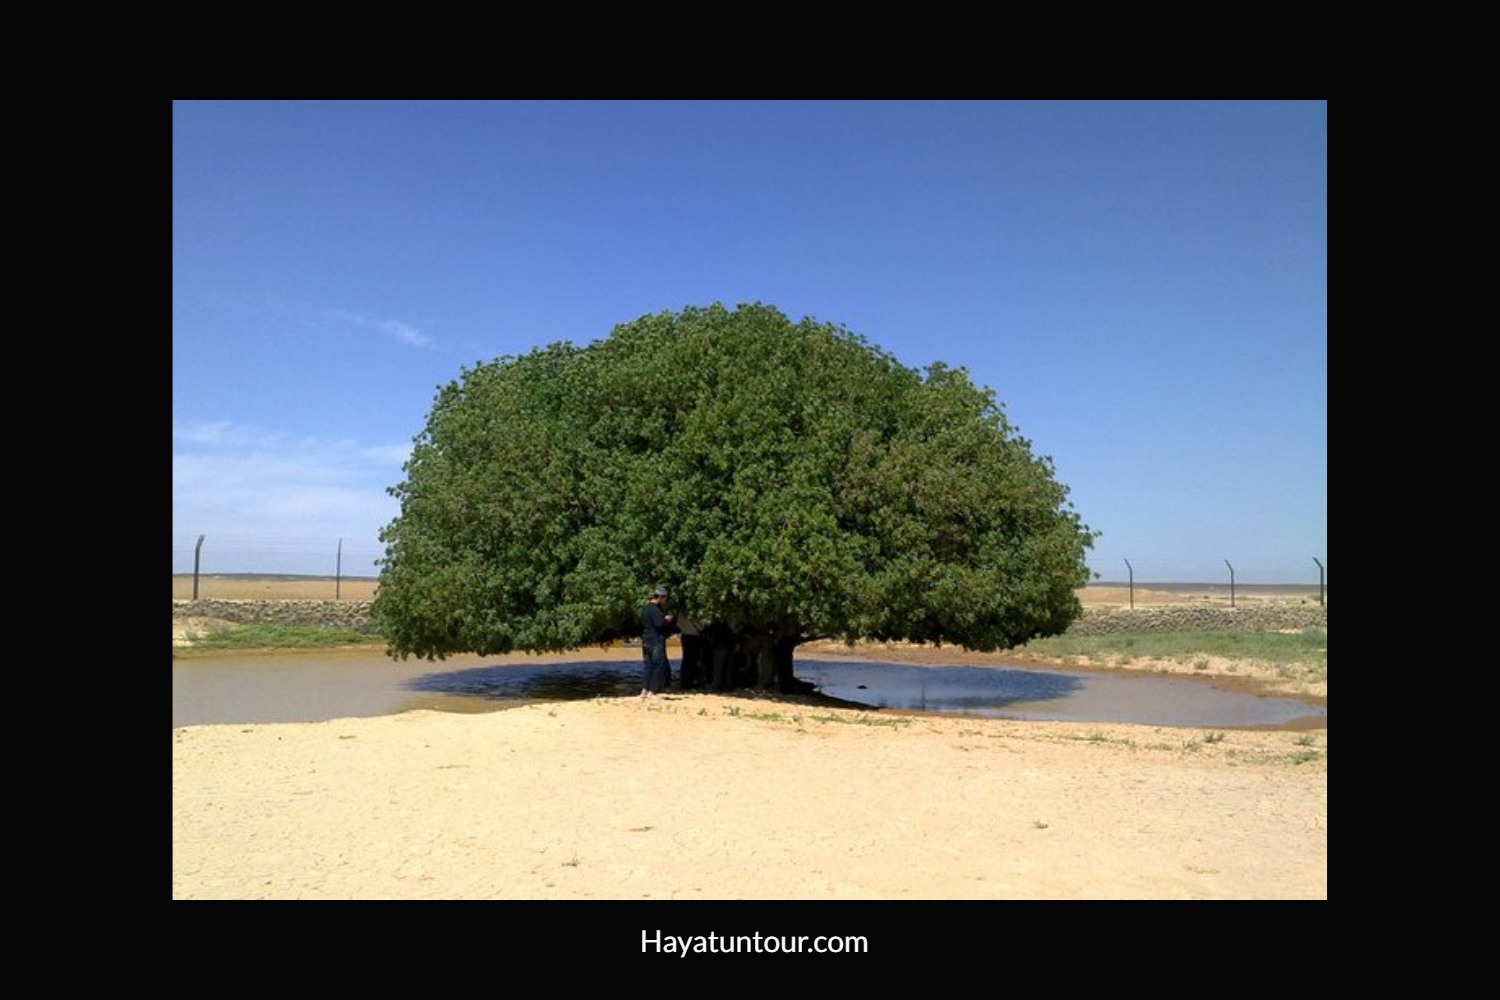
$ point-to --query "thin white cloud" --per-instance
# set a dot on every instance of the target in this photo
(405, 333)
(398, 330)
(220, 433)
(236, 482)
(394, 455)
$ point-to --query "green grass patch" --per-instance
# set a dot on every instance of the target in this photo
(282, 637)
(1100, 739)
(1306, 648)
(892, 721)
(766, 716)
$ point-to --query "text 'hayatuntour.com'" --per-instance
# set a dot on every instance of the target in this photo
(659, 943)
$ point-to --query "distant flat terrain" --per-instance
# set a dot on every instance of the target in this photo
(248, 587)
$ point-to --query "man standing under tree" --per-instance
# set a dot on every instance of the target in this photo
(655, 627)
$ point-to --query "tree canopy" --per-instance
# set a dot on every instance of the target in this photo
(783, 479)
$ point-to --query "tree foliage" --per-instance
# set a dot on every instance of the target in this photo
(783, 479)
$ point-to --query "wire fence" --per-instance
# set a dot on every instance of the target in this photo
(271, 555)
(358, 558)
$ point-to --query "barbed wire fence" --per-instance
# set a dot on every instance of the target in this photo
(200, 560)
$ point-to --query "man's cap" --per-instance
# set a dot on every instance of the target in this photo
(659, 592)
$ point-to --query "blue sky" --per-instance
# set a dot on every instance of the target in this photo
(1144, 285)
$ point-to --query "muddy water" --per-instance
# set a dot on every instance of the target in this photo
(1057, 695)
(314, 687)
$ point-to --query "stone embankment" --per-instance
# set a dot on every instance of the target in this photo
(351, 615)
(1273, 617)
(1174, 618)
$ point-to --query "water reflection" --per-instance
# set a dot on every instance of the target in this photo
(961, 690)
(1050, 695)
(539, 682)
(991, 692)
(314, 688)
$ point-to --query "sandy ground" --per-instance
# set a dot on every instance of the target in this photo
(709, 797)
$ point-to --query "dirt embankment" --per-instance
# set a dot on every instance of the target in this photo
(1247, 675)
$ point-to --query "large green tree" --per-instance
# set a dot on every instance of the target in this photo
(787, 481)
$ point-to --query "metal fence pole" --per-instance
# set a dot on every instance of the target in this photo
(196, 550)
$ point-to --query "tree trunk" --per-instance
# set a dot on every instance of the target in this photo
(785, 648)
(733, 661)
(723, 650)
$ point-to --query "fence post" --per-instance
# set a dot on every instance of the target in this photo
(196, 550)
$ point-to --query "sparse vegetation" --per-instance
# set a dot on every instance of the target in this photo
(1300, 657)
(280, 637)
(840, 718)
(1206, 739)
(893, 721)
(1310, 646)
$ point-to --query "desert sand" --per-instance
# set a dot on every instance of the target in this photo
(739, 797)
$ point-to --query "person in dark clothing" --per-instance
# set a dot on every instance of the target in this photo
(655, 627)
